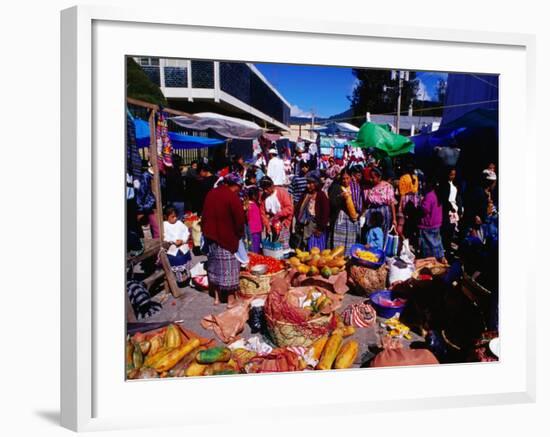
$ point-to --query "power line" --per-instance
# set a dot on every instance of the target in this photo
(483, 80)
(416, 110)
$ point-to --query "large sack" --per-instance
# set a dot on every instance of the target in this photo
(400, 270)
(403, 357)
(335, 283)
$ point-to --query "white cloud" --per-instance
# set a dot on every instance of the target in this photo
(353, 85)
(295, 111)
(422, 93)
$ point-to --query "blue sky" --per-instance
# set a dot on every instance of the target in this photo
(325, 89)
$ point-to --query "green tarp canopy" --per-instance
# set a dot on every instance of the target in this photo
(381, 137)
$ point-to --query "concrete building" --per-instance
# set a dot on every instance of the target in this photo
(236, 89)
(408, 124)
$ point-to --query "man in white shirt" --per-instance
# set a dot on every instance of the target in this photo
(276, 168)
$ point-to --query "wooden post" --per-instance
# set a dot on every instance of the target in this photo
(156, 174)
(130, 315)
(170, 277)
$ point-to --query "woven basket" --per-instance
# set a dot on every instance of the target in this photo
(289, 334)
(256, 285)
(367, 280)
(435, 270)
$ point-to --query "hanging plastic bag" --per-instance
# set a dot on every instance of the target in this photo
(406, 252)
(392, 243)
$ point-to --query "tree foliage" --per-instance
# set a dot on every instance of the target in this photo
(139, 86)
(369, 94)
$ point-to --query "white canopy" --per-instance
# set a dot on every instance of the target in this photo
(349, 126)
(229, 127)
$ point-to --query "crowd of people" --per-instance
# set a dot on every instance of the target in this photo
(317, 201)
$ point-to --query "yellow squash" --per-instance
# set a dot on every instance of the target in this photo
(156, 345)
(318, 346)
(195, 369)
(330, 351)
(337, 251)
(174, 355)
(173, 336)
(348, 330)
(347, 355)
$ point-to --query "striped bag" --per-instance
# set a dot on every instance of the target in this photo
(391, 246)
(360, 315)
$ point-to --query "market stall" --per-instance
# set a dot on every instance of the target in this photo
(294, 315)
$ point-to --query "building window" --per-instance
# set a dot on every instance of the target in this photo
(146, 62)
(179, 63)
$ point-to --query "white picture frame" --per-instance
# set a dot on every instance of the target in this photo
(93, 391)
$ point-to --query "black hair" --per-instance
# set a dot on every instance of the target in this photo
(168, 210)
(237, 168)
(253, 193)
(250, 173)
(356, 169)
(376, 219)
(377, 171)
(266, 182)
(342, 173)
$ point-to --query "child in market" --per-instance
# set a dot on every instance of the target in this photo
(254, 219)
(179, 256)
(375, 234)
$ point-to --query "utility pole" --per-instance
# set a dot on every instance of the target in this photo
(399, 89)
(401, 76)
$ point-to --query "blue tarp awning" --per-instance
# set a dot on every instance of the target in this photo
(457, 131)
(179, 141)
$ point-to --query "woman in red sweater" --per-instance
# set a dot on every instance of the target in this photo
(223, 222)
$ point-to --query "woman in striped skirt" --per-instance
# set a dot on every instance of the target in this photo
(380, 197)
(223, 222)
(344, 222)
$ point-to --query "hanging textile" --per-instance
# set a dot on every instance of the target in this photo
(164, 145)
(178, 141)
(133, 159)
(326, 146)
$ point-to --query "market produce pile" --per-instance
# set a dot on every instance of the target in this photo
(366, 255)
(169, 353)
(273, 265)
(324, 262)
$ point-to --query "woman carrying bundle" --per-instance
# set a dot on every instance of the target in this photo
(277, 211)
(312, 215)
(343, 215)
(409, 201)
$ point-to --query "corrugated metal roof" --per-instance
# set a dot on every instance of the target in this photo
(405, 122)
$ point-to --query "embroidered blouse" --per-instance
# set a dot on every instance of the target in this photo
(381, 194)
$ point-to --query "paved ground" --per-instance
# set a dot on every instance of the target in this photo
(193, 305)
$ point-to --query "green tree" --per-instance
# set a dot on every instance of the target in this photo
(370, 95)
(139, 86)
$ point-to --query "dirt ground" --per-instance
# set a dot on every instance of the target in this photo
(190, 308)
